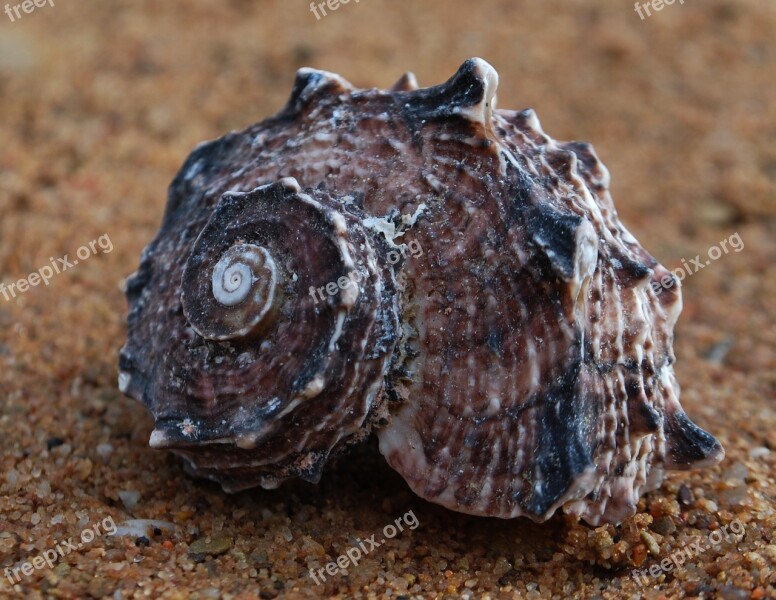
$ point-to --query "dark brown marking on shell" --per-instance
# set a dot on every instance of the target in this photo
(688, 445)
(521, 363)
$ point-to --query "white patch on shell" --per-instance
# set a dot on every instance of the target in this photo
(314, 387)
(482, 111)
(388, 228)
(124, 381)
(158, 439)
(290, 183)
(194, 169)
(188, 428)
(324, 78)
(381, 225)
(232, 281)
(341, 316)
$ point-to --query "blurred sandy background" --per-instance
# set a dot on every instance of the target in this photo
(100, 103)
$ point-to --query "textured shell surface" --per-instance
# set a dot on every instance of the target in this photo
(417, 264)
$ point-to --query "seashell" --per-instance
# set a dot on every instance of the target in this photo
(418, 264)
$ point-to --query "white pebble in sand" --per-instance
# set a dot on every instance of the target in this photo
(130, 498)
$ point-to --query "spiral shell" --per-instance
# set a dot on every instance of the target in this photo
(244, 289)
(418, 263)
(299, 375)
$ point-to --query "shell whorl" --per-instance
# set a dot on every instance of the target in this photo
(305, 297)
(235, 274)
(244, 292)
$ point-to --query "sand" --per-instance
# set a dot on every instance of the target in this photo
(101, 102)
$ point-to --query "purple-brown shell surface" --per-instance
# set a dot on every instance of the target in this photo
(418, 264)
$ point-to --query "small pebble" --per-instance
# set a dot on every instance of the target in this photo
(54, 442)
(709, 505)
(210, 545)
(770, 552)
(62, 450)
(733, 496)
(100, 587)
(104, 451)
(663, 526)
(736, 471)
(502, 567)
(684, 495)
(651, 543)
(210, 593)
(718, 352)
(759, 452)
(730, 592)
(83, 469)
(129, 498)
(44, 490)
(139, 527)
(12, 476)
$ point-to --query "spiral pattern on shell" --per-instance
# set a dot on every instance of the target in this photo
(272, 353)
(244, 292)
(233, 275)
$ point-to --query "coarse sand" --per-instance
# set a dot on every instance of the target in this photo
(100, 103)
